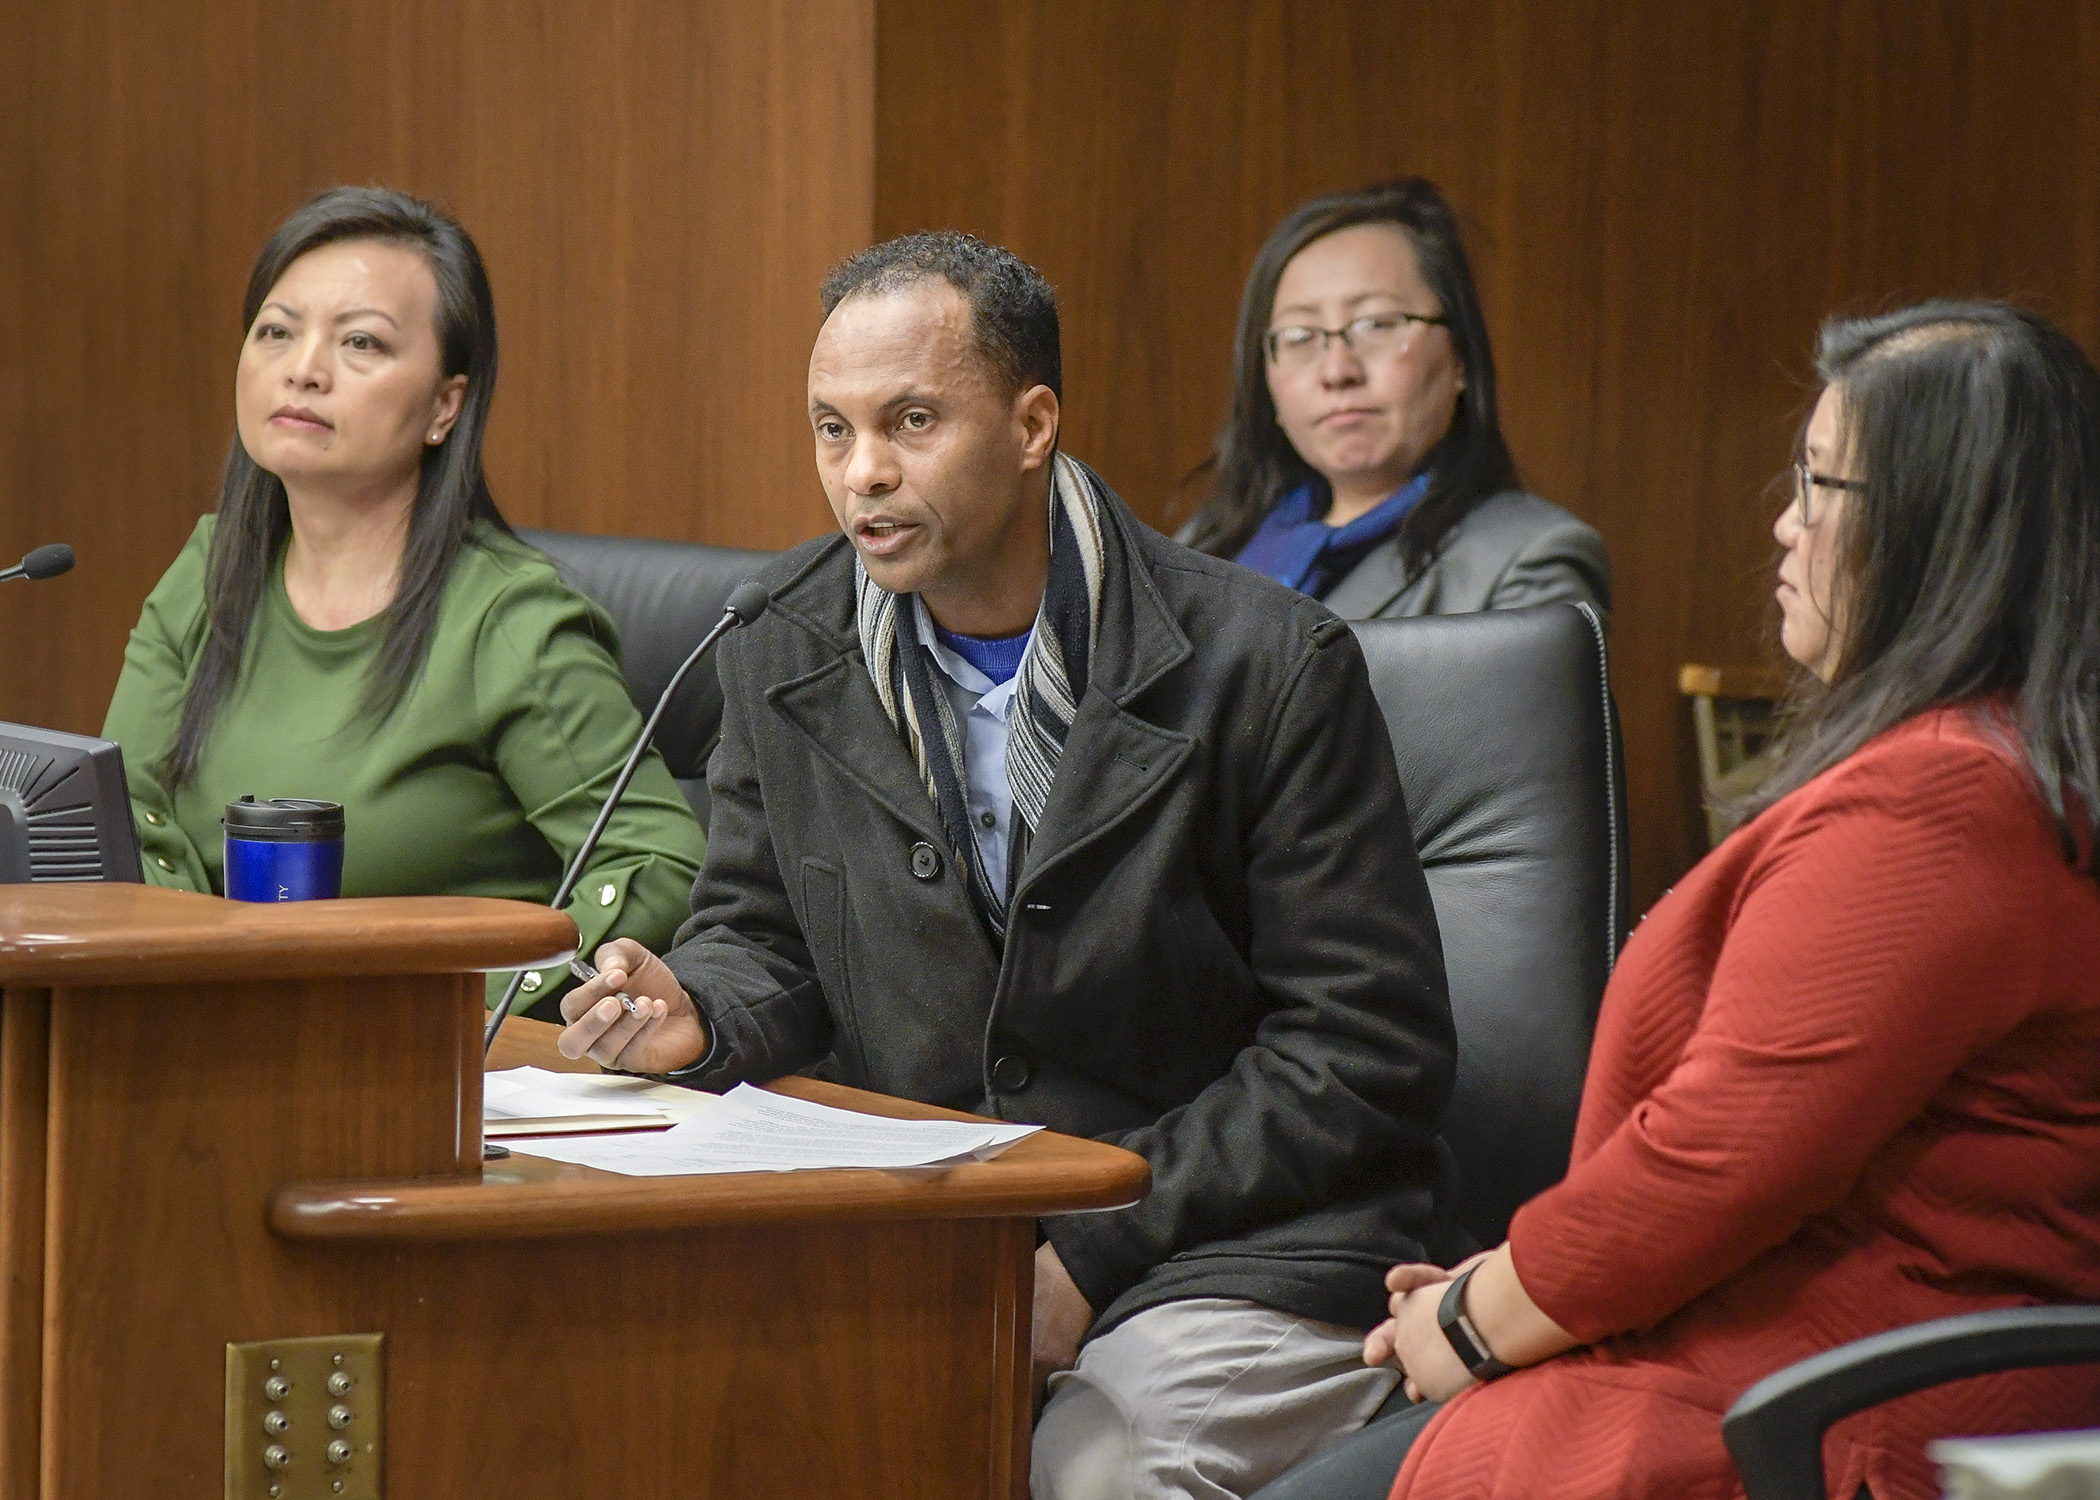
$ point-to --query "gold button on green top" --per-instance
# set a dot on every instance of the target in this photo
(605, 896)
(153, 818)
(161, 860)
(532, 982)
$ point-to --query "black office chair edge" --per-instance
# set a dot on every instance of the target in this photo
(1619, 907)
(1775, 1431)
(635, 580)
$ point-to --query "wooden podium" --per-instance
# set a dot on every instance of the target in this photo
(224, 1124)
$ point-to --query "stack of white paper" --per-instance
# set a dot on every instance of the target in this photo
(755, 1131)
(2028, 1466)
(533, 1101)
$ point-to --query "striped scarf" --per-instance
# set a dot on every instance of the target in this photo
(1053, 679)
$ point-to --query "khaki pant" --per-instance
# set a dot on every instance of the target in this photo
(1204, 1399)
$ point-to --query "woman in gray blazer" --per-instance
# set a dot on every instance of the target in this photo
(1362, 462)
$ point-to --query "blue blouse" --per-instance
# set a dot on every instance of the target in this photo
(1301, 551)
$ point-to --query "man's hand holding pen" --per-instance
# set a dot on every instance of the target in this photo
(661, 1032)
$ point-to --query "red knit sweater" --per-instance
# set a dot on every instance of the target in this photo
(1846, 1078)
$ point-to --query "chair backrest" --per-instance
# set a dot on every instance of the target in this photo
(1774, 1432)
(1735, 725)
(663, 597)
(1507, 744)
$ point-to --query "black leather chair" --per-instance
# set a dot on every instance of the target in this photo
(1775, 1430)
(1507, 744)
(663, 597)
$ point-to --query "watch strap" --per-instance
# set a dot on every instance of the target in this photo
(1466, 1342)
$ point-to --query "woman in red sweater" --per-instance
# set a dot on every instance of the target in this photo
(1847, 1073)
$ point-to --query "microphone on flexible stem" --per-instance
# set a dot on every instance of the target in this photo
(746, 602)
(45, 562)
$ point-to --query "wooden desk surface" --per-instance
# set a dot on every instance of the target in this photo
(528, 1197)
(143, 934)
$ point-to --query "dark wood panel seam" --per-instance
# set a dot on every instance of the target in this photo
(25, 1048)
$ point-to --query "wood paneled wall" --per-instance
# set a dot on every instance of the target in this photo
(657, 189)
(1664, 198)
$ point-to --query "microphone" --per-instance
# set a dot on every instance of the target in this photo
(746, 602)
(45, 562)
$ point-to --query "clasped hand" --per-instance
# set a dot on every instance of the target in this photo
(1412, 1339)
(665, 1032)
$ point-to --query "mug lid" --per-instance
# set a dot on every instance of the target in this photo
(293, 817)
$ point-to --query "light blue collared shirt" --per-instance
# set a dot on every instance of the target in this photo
(982, 710)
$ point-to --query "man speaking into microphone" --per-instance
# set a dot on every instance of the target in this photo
(1021, 808)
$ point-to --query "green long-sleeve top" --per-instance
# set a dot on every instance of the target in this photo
(482, 782)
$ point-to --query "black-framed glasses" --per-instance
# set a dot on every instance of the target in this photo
(1372, 336)
(1805, 482)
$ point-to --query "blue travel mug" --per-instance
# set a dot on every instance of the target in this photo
(283, 849)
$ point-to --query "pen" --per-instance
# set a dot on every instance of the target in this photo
(583, 970)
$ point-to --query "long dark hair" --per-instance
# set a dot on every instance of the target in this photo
(1970, 564)
(254, 517)
(1254, 464)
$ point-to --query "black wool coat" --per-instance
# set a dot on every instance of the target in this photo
(1221, 952)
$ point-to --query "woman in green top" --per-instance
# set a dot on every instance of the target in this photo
(357, 623)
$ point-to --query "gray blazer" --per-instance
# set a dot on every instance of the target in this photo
(1515, 550)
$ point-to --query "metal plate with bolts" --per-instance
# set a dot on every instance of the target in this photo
(304, 1418)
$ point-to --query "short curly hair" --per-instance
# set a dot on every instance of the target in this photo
(1013, 311)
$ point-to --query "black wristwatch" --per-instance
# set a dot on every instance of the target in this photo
(1466, 1342)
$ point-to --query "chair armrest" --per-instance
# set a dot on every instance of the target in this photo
(1775, 1431)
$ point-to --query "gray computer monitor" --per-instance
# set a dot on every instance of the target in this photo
(65, 813)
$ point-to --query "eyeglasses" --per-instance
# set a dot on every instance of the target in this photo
(1383, 335)
(1805, 482)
